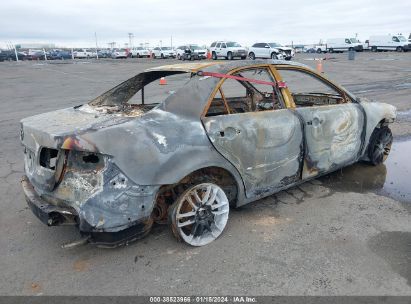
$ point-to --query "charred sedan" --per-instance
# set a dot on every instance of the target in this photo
(228, 134)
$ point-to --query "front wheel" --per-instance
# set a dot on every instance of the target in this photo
(251, 56)
(379, 146)
(399, 49)
(214, 56)
(200, 214)
(230, 56)
(274, 56)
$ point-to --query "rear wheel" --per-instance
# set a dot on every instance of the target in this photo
(331, 50)
(379, 146)
(319, 51)
(399, 49)
(374, 49)
(200, 214)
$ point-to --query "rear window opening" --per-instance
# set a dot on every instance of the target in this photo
(158, 90)
(139, 94)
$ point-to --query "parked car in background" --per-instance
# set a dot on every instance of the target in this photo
(194, 50)
(59, 54)
(10, 55)
(343, 44)
(389, 43)
(163, 52)
(138, 52)
(84, 53)
(265, 50)
(311, 50)
(35, 55)
(287, 52)
(104, 53)
(228, 50)
(119, 54)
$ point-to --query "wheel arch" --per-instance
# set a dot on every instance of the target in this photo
(227, 178)
(377, 115)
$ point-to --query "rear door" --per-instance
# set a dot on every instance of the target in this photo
(250, 126)
(333, 123)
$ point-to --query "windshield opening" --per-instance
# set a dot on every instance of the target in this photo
(354, 40)
(274, 44)
(233, 44)
(401, 38)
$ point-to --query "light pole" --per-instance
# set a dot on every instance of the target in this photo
(130, 39)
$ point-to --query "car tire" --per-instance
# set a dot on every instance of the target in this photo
(229, 56)
(319, 51)
(374, 49)
(379, 146)
(204, 207)
(251, 56)
(178, 57)
(351, 49)
(399, 49)
(330, 50)
(214, 55)
(162, 56)
(243, 57)
(274, 56)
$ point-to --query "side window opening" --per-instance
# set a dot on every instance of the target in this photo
(238, 96)
(308, 90)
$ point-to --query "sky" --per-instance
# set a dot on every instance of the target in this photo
(74, 23)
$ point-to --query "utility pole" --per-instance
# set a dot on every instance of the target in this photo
(95, 36)
(130, 39)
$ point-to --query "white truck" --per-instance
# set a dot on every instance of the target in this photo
(389, 43)
(227, 49)
(335, 45)
(83, 53)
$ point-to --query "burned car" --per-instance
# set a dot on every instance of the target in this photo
(231, 133)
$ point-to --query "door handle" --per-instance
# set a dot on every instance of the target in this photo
(315, 122)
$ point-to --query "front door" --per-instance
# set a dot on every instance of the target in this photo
(333, 122)
(250, 126)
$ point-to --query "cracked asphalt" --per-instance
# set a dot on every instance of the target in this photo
(348, 233)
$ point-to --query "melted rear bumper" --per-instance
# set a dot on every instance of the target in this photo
(63, 214)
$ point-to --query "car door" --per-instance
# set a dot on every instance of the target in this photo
(266, 50)
(250, 126)
(259, 50)
(333, 122)
(218, 49)
(223, 50)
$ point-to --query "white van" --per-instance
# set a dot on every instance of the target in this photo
(343, 44)
(389, 43)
